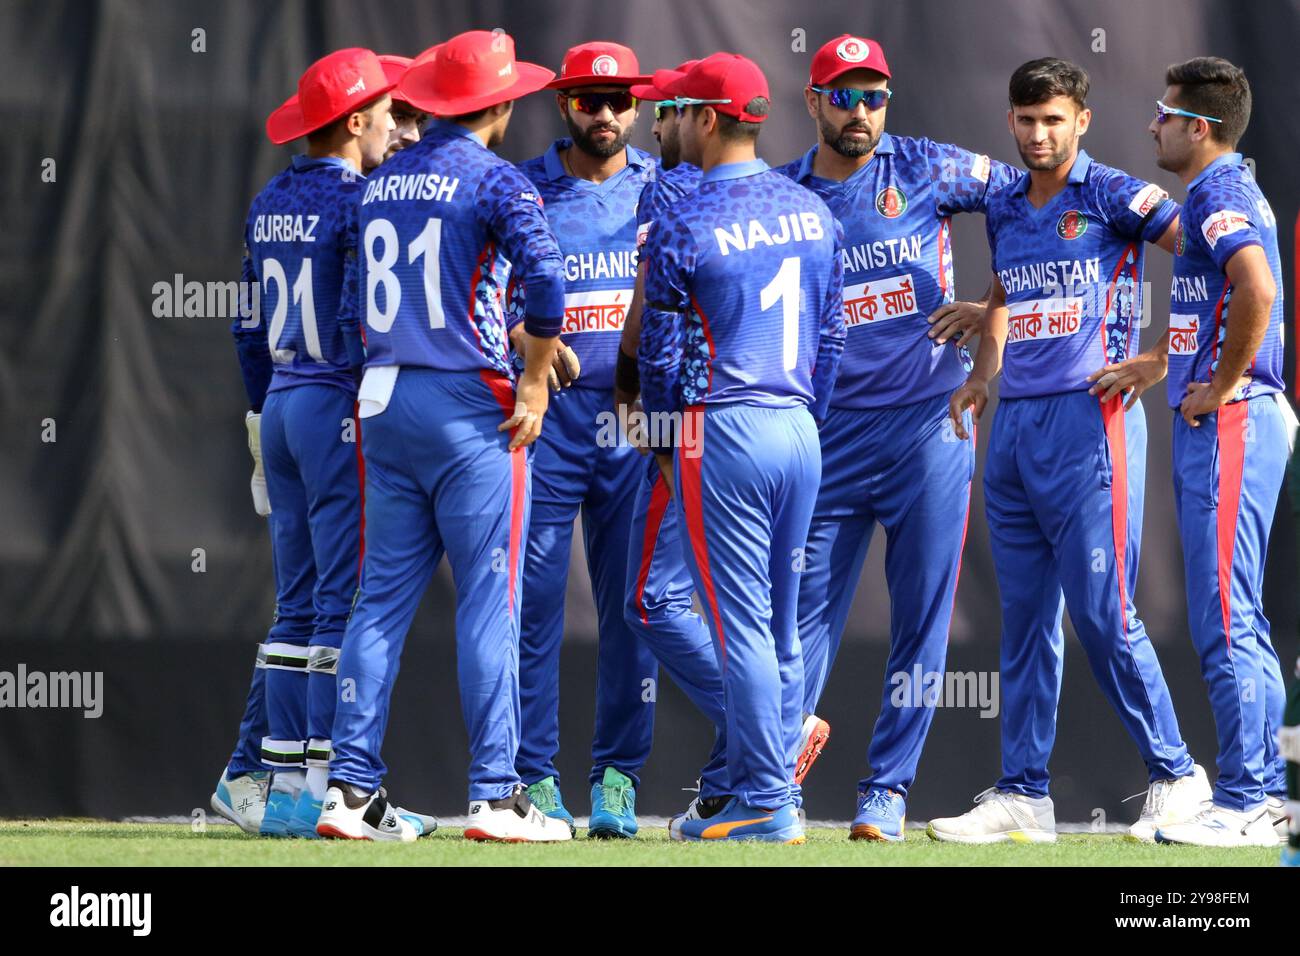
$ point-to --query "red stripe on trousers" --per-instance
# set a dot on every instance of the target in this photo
(692, 465)
(505, 396)
(654, 519)
(1232, 460)
(1112, 415)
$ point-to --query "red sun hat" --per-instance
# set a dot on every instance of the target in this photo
(598, 63)
(722, 76)
(846, 52)
(654, 90)
(394, 68)
(332, 87)
(468, 73)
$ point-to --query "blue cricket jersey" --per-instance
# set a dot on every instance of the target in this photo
(1072, 272)
(897, 216)
(668, 186)
(595, 225)
(743, 295)
(440, 227)
(295, 247)
(1224, 212)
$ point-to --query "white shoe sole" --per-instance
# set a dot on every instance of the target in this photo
(1005, 836)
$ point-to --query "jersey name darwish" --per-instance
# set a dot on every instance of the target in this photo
(427, 187)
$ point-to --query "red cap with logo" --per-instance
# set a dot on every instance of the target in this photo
(394, 68)
(598, 64)
(722, 76)
(332, 87)
(846, 52)
(654, 90)
(468, 73)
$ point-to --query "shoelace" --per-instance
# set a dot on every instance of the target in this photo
(877, 801)
(543, 798)
(615, 798)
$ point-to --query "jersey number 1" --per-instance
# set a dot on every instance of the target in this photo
(784, 288)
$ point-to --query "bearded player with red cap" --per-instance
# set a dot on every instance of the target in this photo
(741, 371)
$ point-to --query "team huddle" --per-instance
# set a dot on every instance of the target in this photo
(443, 337)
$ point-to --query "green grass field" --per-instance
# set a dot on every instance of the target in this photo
(102, 843)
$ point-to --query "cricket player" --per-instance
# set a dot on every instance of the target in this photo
(589, 182)
(742, 332)
(408, 122)
(438, 226)
(1231, 438)
(1065, 470)
(302, 415)
(889, 454)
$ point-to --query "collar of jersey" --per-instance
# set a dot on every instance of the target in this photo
(303, 162)
(1078, 173)
(1226, 159)
(751, 167)
(886, 145)
(554, 166)
(448, 128)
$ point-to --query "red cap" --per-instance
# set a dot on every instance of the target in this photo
(654, 90)
(722, 76)
(468, 73)
(394, 68)
(846, 52)
(332, 87)
(598, 64)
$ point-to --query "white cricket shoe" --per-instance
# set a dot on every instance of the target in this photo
(242, 800)
(514, 819)
(349, 813)
(1223, 826)
(1279, 816)
(999, 817)
(1171, 801)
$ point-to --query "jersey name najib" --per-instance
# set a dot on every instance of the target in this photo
(440, 227)
(1072, 272)
(1224, 213)
(595, 225)
(896, 212)
(668, 186)
(744, 295)
(296, 246)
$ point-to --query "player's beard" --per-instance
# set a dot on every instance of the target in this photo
(670, 150)
(586, 142)
(1052, 161)
(852, 148)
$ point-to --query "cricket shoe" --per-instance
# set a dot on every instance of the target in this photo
(815, 734)
(242, 799)
(613, 807)
(514, 819)
(545, 796)
(424, 824)
(1280, 817)
(1000, 816)
(1222, 826)
(1169, 802)
(737, 821)
(349, 813)
(701, 808)
(881, 816)
(305, 816)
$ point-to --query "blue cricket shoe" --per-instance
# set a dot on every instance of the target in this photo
(613, 807)
(279, 811)
(302, 823)
(881, 816)
(740, 822)
(545, 796)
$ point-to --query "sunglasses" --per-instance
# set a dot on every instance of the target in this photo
(1164, 112)
(663, 106)
(593, 103)
(848, 99)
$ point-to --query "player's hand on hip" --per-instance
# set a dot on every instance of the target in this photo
(1201, 399)
(1133, 376)
(565, 368)
(261, 502)
(530, 408)
(974, 394)
(957, 320)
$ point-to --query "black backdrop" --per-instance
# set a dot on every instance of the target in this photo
(155, 148)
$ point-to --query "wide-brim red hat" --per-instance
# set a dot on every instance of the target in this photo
(598, 63)
(329, 89)
(395, 68)
(468, 73)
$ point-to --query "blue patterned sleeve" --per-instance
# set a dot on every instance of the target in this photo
(512, 211)
(250, 336)
(962, 179)
(1226, 218)
(831, 333)
(349, 297)
(670, 257)
(1136, 209)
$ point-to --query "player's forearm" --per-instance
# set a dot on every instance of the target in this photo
(627, 377)
(538, 352)
(993, 337)
(1251, 308)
